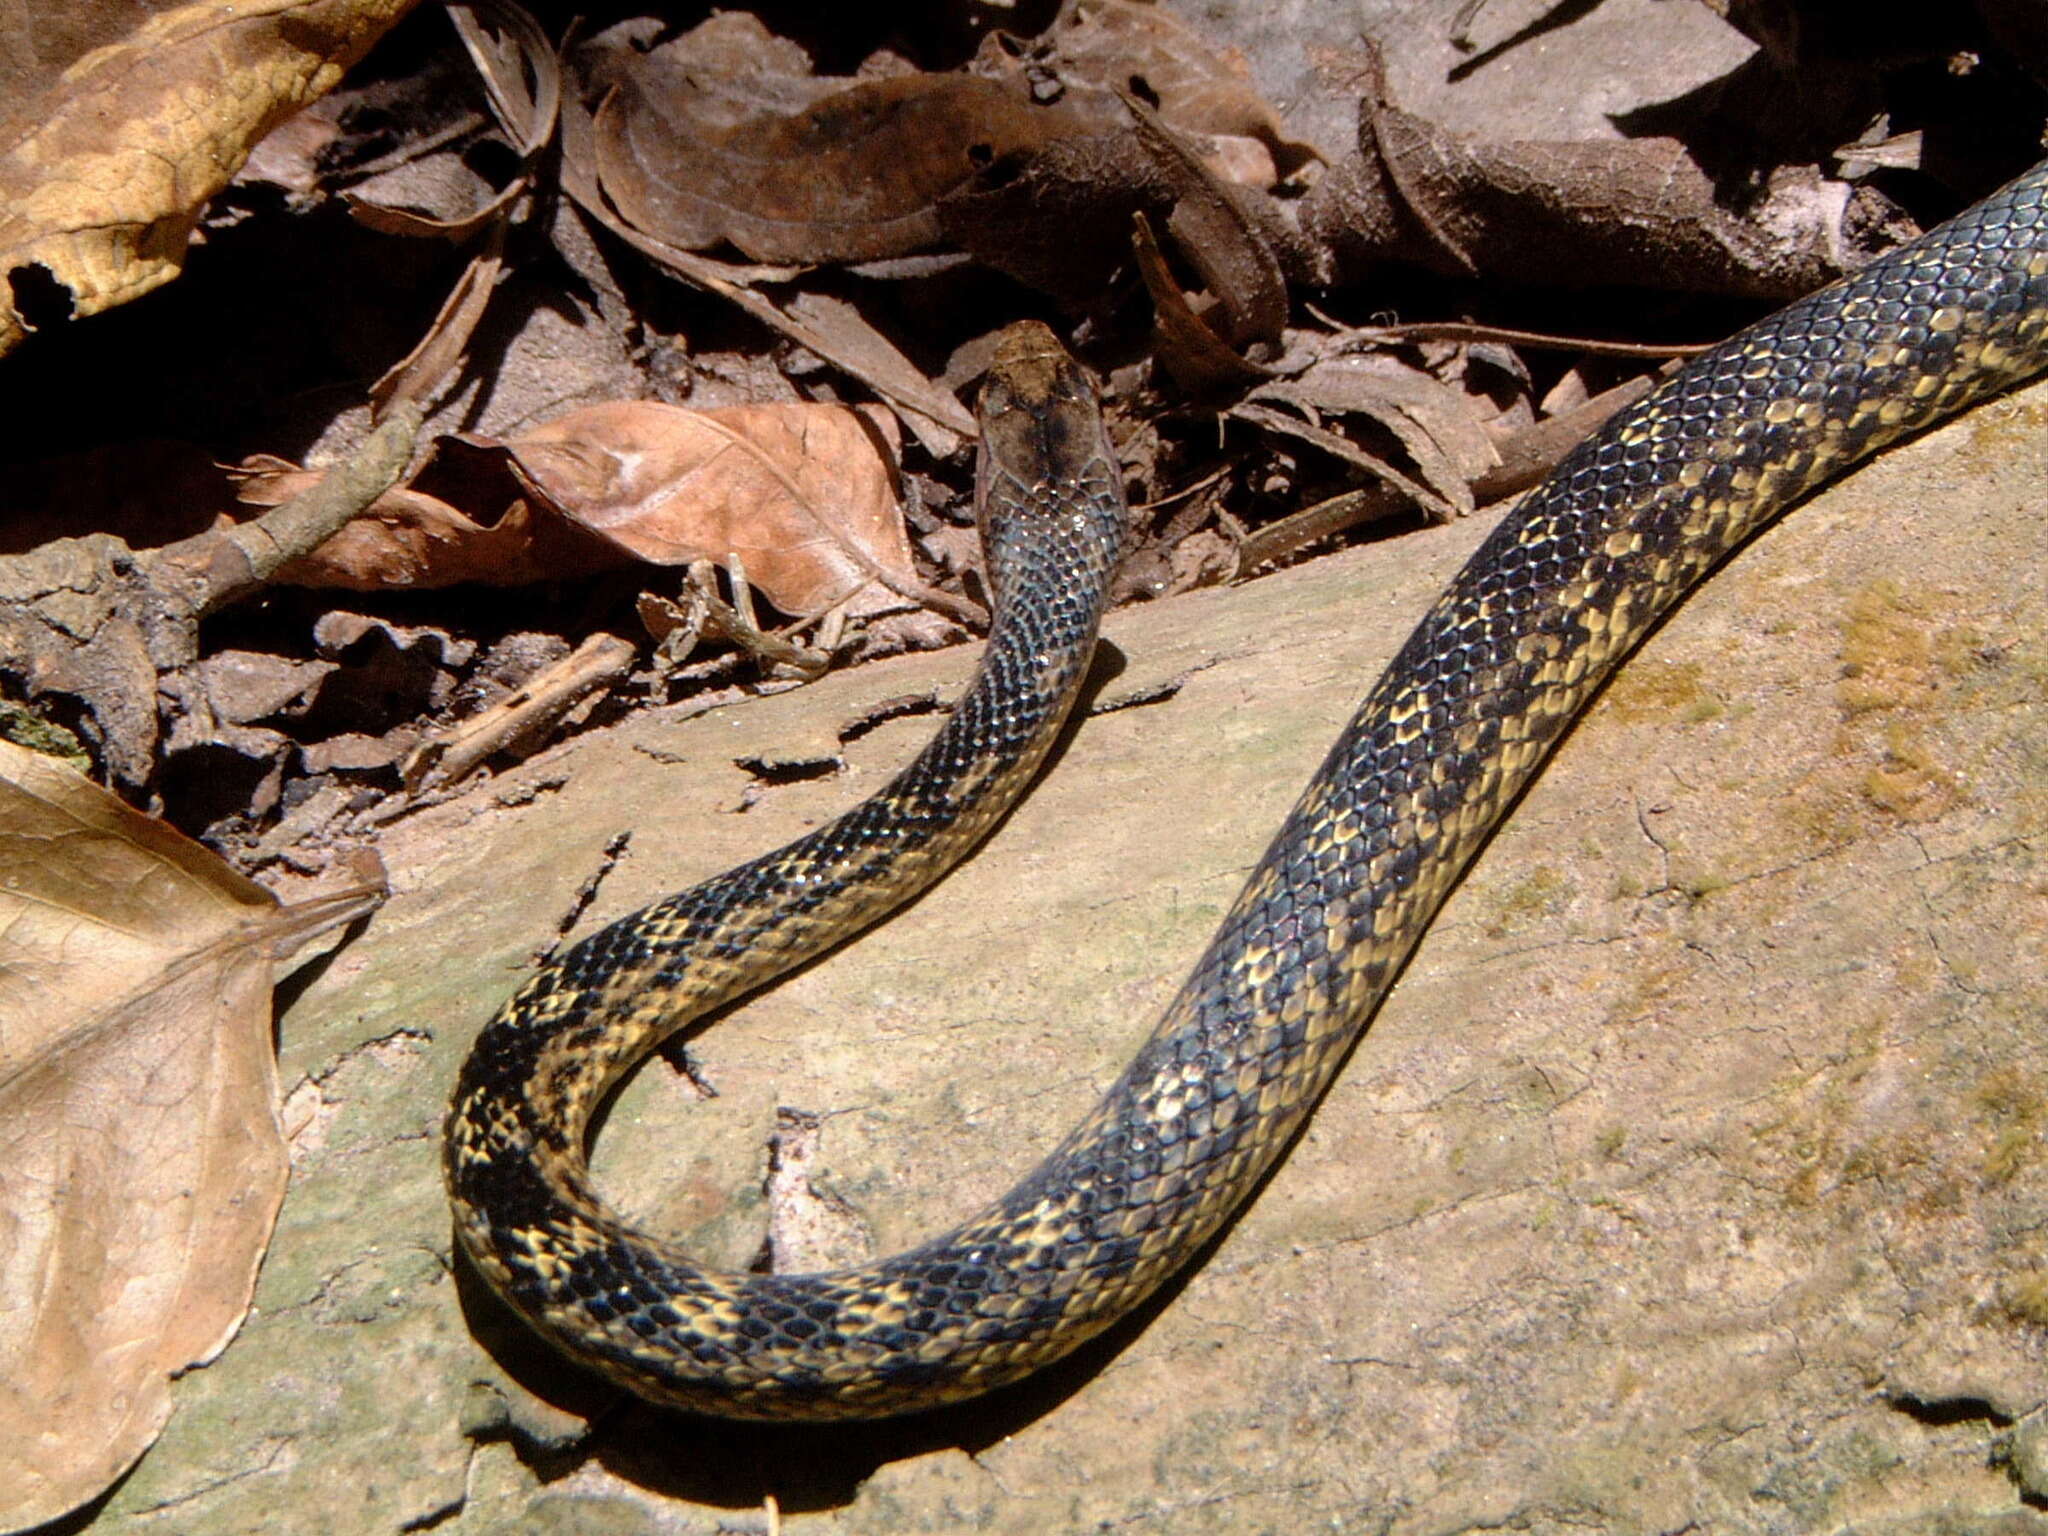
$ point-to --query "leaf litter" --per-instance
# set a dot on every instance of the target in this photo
(669, 332)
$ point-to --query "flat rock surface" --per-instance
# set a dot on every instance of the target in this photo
(1692, 1179)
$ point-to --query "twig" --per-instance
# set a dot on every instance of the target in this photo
(520, 716)
(1525, 459)
(212, 569)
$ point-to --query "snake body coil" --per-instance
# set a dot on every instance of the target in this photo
(1451, 734)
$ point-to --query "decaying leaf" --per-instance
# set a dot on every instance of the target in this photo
(803, 495)
(104, 171)
(1632, 213)
(1274, 420)
(854, 177)
(831, 328)
(1200, 89)
(1200, 361)
(1219, 236)
(1438, 427)
(140, 1160)
(522, 76)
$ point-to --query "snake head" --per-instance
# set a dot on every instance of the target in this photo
(1040, 424)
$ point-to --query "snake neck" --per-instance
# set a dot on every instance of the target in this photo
(573, 1029)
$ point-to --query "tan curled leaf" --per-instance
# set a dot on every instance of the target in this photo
(105, 168)
(140, 1160)
(1436, 425)
(803, 495)
(1200, 361)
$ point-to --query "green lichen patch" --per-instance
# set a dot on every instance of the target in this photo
(2014, 1108)
(1541, 893)
(2024, 1298)
(1652, 689)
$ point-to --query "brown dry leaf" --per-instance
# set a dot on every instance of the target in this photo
(726, 70)
(1272, 419)
(1058, 216)
(855, 177)
(1199, 360)
(1163, 124)
(1200, 89)
(1437, 426)
(832, 329)
(521, 72)
(803, 495)
(104, 170)
(1059, 220)
(1217, 230)
(522, 82)
(140, 1160)
(408, 538)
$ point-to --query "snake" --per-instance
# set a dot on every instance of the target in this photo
(1556, 596)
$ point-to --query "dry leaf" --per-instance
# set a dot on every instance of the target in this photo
(1199, 360)
(804, 495)
(852, 174)
(1273, 419)
(440, 193)
(1058, 215)
(836, 332)
(424, 369)
(1437, 426)
(521, 73)
(140, 1160)
(103, 174)
(1059, 220)
(412, 539)
(855, 178)
(1219, 235)
(1199, 88)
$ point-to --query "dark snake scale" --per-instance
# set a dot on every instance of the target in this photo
(1559, 594)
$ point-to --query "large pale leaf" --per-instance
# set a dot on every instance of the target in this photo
(140, 1160)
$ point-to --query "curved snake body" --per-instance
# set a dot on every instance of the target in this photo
(1455, 728)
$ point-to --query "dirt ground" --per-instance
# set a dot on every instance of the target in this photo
(1691, 1180)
